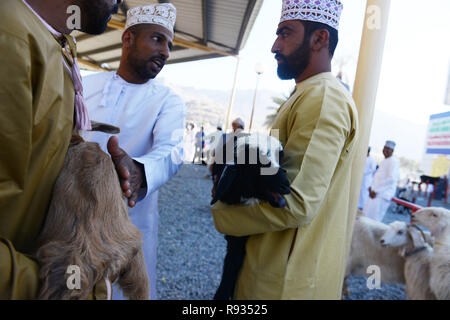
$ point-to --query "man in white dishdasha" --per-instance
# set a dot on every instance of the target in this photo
(150, 115)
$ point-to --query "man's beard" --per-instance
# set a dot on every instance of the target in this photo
(295, 64)
(96, 15)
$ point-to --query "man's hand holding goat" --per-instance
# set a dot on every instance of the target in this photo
(131, 173)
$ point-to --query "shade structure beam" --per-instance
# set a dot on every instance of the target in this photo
(91, 65)
(177, 41)
(205, 21)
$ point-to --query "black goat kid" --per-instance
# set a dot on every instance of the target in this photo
(245, 167)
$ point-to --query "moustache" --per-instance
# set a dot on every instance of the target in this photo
(279, 56)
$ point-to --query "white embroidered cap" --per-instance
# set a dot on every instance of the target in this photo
(324, 11)
(390, 144)
(163, 14)
(239, 122)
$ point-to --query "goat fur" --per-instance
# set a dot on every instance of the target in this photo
(238, 177)
(407, 239)
(438, 221)
(366, 250)
(88, 226)
(239, 167)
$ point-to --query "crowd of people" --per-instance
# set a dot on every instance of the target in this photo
(295, 252)
(199, 146)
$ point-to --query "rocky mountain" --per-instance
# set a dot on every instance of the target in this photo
(210, 108)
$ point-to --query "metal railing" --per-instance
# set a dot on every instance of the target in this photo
(414, 207)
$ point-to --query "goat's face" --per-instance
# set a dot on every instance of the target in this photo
(395, 236)
(434, 219)
(249, 168)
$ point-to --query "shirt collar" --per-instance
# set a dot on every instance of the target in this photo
(322, 75)
(124, 82)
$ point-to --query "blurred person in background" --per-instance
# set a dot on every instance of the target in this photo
(189, 142)
(199, 146)
(369, 171)
(384, 184)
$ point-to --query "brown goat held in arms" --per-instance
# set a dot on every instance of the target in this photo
(88, 226)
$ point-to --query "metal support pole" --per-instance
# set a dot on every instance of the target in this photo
(365, 92)
(233, 94)
(254, 102)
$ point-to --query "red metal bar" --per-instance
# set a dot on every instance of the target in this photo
(407, 204)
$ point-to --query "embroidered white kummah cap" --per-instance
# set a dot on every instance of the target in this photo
(163, 14)
(324, 11)
(390, 144)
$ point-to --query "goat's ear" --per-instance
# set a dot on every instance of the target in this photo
(416, 237)
(103, 127)
(227, 178)
(76, 139)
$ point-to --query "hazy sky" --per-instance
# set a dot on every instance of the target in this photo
(415, 66)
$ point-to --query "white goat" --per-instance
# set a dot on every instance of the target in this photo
(438, 221)
(416, 247)
(366, 250)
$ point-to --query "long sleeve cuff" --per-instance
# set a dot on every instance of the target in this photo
(19, 275)
(157, 173)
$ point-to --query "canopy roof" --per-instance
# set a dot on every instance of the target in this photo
(204, 29)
